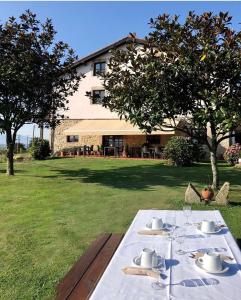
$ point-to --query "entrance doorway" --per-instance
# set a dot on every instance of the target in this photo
(113, 145)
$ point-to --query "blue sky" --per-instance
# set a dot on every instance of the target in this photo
(88, 26)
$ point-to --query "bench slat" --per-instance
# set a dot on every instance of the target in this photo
(88, 282)
(68, 283)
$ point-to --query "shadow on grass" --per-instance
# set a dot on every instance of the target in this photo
(3, 171)
(234, 203)
(142, 177)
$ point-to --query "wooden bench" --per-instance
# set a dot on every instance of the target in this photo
(83, 277)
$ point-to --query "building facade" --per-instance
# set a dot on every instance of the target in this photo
(88, 123)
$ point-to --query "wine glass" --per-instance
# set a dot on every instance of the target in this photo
(159, 285)
(172, 222)
(187, 210)
(180, 238)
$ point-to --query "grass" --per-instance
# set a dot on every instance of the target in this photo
(52, 210)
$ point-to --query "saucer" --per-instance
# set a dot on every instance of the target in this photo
(137, 262)
(216, 230)
(224, 270)
(148, 226)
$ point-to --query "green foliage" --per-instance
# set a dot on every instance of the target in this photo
(184, 76)
(198, 152)
(39, 149)
(19, 148)
(179, 150)
(36, 76)
(232, 154)
(190, 69)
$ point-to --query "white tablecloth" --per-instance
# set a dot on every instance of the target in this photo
(184, 279)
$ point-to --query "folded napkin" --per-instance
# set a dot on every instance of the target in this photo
(153, 232)
(140, 271)
(200, 254)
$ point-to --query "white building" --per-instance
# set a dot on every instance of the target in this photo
(88, 123)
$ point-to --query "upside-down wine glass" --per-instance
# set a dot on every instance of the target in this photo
(172, 223)
(180, 238)
(187, 211)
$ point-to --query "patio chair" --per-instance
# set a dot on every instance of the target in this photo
(95, 150)
(157, 152)
(145, 152)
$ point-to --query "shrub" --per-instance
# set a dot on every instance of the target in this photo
(198, 152)
(231, 155)
(19, 148)
(39, 149)
(180, 151)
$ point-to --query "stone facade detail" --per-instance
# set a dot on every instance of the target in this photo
(222, 195)
(192, 195)
(134, 140)
(60, 138)
(138, 140)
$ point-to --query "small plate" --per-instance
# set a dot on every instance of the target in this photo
(137, 262)
(224, 270)
(217, 229)
(148, 226)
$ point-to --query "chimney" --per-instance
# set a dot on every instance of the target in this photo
(132, 35)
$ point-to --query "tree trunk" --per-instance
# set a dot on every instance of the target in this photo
(10, 141)
(41, 134)
(213, 159)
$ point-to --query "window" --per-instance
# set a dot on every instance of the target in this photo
(72, 138)
(98, 96)
(99, 68)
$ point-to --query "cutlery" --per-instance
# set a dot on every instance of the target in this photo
(140, 271)
(153, 232)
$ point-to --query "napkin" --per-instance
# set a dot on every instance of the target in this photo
(200, 254)
(140, 271)
(153, 232)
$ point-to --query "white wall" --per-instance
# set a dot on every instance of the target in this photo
(80, 106)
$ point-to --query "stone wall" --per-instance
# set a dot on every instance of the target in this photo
(60, 138)
(137, 140)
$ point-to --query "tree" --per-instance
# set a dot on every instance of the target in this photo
(189, 69)
(35, 77)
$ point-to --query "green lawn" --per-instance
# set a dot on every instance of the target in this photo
(52, 210)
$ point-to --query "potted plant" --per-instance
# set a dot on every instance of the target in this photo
(62, 153)
(207, 194)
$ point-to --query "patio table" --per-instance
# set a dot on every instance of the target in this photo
(110, 147)
(184, 281)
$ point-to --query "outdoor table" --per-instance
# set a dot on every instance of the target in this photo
(184, 279)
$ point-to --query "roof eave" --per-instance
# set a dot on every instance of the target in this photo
(106, 49)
